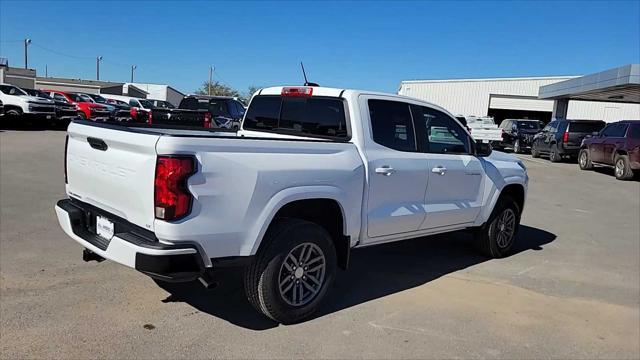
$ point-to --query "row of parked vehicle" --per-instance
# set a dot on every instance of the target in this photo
(590, 142)
(59, 107)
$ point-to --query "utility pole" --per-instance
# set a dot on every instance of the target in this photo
(133, 67)
(46, 71)
(210, 78)
(98, 59)
(26, 53)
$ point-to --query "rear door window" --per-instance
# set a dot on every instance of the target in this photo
(634, 132)
(316, 116)
(392, 125)
(615, 130)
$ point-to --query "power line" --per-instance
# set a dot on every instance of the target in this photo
(61, 53)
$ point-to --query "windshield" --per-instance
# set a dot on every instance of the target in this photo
(12, 90)
(529, 125)
(80, 97)
(99, 99)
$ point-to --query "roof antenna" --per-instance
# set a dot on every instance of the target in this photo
(306, 83)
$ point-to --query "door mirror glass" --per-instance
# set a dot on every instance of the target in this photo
(482, 149)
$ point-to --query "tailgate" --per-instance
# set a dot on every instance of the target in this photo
(113, 169)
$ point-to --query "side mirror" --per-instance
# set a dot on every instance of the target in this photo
(483, 149)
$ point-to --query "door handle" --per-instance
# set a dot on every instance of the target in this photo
(441, 170)
(385, 170)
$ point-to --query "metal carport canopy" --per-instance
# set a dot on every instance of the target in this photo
(620, 85)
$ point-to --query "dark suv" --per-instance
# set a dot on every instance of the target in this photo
(617, 145)
(562, 138)
(517, 134)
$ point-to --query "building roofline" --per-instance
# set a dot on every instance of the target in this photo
(489, 79)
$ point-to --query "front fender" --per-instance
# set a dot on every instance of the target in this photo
(288, 195)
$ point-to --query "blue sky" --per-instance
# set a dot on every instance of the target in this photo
(367, 45)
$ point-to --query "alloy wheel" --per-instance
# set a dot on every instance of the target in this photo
(506, 224)
(619, 168)
(583, 159)
(302, 274)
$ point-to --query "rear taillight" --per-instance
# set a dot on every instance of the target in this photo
(150, 118)
(297, 91)
(565, 137)
(134, 113)
(171, 196)
(207, 120)
(66, 146)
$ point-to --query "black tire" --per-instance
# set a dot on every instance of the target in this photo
(584, 160)
(535, 153)
(487, 236)
(263, 277)
(554, 155)
(82, 116)
(622, 167)
(517, 148)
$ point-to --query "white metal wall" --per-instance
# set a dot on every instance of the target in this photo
(471, 96)
(161, 92)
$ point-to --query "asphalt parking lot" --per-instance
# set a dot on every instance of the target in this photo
(572, 290)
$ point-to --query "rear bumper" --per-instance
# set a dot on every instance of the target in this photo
(130, 245)
(569, 150)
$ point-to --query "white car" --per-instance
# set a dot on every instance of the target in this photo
(17, 103)
(313, 173)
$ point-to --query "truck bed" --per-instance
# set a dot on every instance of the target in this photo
(238, 182)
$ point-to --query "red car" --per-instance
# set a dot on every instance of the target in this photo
(87, 108)
(617, 145)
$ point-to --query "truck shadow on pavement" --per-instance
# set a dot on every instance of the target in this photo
(373, 273)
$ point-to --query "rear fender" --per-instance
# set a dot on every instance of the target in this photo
(286, 196)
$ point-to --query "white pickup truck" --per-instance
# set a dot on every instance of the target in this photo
(313, 173)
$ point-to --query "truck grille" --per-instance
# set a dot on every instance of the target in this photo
(42, 108)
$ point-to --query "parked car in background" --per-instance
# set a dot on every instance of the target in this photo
(118, 112)
(203, 111)
(65, 111)
(617, 145)
(86, 107)
(517, 134)
(20, 105)
(561, 138)
(321, 170)
(139, 109)
(1, 108)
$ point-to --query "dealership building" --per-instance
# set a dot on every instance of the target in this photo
(609, 95)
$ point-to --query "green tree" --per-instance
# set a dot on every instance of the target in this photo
(218, 89)
(250, 91)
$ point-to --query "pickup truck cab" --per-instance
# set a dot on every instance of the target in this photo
(18, 104)
(313, 173)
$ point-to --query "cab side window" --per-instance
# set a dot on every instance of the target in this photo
(443, 134)
(392, 125)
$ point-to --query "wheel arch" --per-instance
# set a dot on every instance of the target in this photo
(324, 207)
(13, 107)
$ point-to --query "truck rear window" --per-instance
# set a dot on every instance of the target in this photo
(316, 116)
